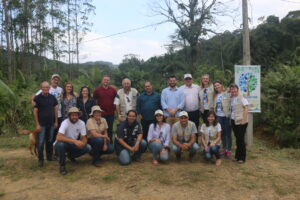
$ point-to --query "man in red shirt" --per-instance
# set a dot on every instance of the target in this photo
(104, 97)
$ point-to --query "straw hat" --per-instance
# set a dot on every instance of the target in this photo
(95, 108)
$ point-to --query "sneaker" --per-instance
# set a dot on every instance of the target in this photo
(228, 154)
(62, 170)
(41, 163)
(241, 161)
(224, 152)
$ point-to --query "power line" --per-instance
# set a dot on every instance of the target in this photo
(289, 1)
(127, 31)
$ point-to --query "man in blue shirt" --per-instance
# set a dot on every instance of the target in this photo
(172, 101)
(147, 104)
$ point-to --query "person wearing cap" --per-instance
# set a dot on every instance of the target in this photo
(191, 106)
(126, 99)
(159, 138)
(172, 101)
(206, 94)
(184, 136)
(67, 139)
(104, 96)
(147, 104)
(97, 135)
(129, 143)
(56, 91)
(45, 116)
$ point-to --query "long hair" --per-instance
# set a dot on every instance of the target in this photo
(215, 91)
(202, 85)
(65, 92)
(156, 122)
(89, 92)
(215, 121)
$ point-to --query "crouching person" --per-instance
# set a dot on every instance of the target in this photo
(97, 135)
(129, 144)
(211, 138)
(66, 139)
(184, 136)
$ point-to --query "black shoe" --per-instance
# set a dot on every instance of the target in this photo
(50, 159)
(62, 170)
(41, 163)
(96, 163)
(178, 157)
(73, 160)
(138, 160)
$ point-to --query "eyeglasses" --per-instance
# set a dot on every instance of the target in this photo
(128, 100)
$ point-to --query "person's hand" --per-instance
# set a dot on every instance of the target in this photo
(135, 148)
(243, 122)
(79, 144)
(185, 146)
(107, 138)
(163, 151)
(212, 144)
(38, 128)
(157, 140)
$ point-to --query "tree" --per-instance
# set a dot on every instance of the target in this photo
(193, 18)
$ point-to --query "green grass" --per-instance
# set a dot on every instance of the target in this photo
(109, 178)
(10, 142)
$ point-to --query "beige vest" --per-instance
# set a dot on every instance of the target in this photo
(184, 134)
(211, 135)
(238, 111)
(121, 94)
(210, 98)
(225, 104)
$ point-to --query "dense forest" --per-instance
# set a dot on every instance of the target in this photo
(40, 37)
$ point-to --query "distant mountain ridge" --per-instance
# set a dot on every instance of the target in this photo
(93, 63)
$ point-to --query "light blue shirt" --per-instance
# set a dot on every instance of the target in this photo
(172, 99)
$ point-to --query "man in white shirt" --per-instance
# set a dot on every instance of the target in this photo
(126, 99)
(191, 94)
(66, 140)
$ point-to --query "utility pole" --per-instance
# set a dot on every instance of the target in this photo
(247, 61)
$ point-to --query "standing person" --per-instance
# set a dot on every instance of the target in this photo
(159, 138)
(129, 143)
(85, 103)
(206, 97)
(211, 138)
(67, 139)
(69, 99)
(222, 109)
(147, 104)
(56, 91)
(45, 116)
(191, 106)
(97, 135)
(239, 121)
(126, 99)
(184, 136)
(104, 97)
(172, 101)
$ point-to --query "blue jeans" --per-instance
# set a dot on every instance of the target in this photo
(212, 151)
(110, 123)
(125, 157)
(45, 136)
(226, 132)
(63, 147)
(156, 148)
(97, 146)
(193, 149)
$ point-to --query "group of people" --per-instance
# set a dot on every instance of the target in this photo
(78, 124)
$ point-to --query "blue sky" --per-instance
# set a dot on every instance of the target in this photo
(114, 16)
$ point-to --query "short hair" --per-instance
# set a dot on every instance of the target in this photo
(233, 85)
(126, 79)
(147, 82)
(172, 76)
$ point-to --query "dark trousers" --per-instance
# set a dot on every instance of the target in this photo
(194, 117)
(145, 126)
(63, 147)
(204, 116)
(226, 132)
(213, 151)
(110, 123)
(97, 146)
(239, 133)
(45, 136)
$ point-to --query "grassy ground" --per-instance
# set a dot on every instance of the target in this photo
(269, 173)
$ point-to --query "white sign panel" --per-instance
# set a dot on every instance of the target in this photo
(247, 77)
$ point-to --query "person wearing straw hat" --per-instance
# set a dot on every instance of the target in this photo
(159, 138)
(98, 136)
(66, 139)
(184, 136)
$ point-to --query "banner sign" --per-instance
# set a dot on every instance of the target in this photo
(247, 77)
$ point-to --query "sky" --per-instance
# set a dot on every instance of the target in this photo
(115, 16)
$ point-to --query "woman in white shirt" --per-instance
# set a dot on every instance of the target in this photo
(211, 137)
(239, 121)
(159, 138)
(222, 109)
